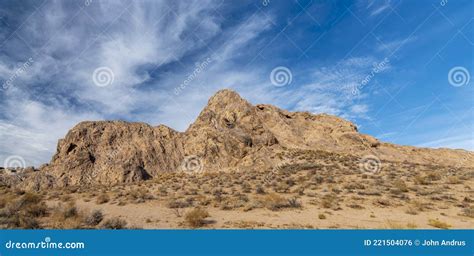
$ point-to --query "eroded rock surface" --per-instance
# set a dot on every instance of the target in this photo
(229, 134)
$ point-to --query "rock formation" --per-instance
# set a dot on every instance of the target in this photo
(230, 134)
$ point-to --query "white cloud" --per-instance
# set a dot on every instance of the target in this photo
(148, 34)
(464, 141)
(375, 7)
(33, 130)
(170, 37)
(380, 7)
(359, 109)
(395, 45)
(332, 89)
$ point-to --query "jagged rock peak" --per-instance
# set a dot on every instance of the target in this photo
(229, 134)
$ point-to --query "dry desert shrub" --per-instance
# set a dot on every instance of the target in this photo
(382, 202)
(294, 203)
(434, 176)
(162, 191)
(196, 217)
(281, 187)
(66, 198)
(102, 199)
(259, 190)
(94, 218)
(415, 207)
(246, 187)
(114, 223)
(438, 224)
(179, 202)
(426, 179)
(355, 206)
(245, 224)
(421, 180)
(393, 224)
(330, 201)
(234, 202)
(468, 211)
(354, 185)
(22, 212)
(276, 202)
(202, 200)
(139, 195)
(66, 216)
(399, 187)
(453, 180)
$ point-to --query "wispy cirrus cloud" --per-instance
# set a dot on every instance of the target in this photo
(377, 7)
(133, 40)
(150, 48)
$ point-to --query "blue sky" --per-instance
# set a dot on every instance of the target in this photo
(400, 70)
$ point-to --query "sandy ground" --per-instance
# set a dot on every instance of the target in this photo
(155, 215)
(402, 196)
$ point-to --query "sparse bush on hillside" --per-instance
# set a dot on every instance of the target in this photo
(66, 217)
(276, 202)
(399, 187)
(196, 217)
(260, 190)
(94, 218)
(468, 211)
(294, 203)
(453, 180)
(70, 211)
(421, 180)
(330, 201)
(415, 207)
(114, 223)
(140, 195)
(102, 199)
(178, 203)
(22, 212)
(438, 224)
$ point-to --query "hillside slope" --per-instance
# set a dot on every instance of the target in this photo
(229, 134)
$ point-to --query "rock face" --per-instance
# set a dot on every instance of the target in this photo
(111, 152)
(229, 134)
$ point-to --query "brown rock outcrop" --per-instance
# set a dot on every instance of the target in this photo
(229, 134)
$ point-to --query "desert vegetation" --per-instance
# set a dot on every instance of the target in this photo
(311, 191)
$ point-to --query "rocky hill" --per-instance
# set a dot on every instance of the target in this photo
(230, 134)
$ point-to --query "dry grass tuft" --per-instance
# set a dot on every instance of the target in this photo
(438, 224)
(196, 217)
(114, 223)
